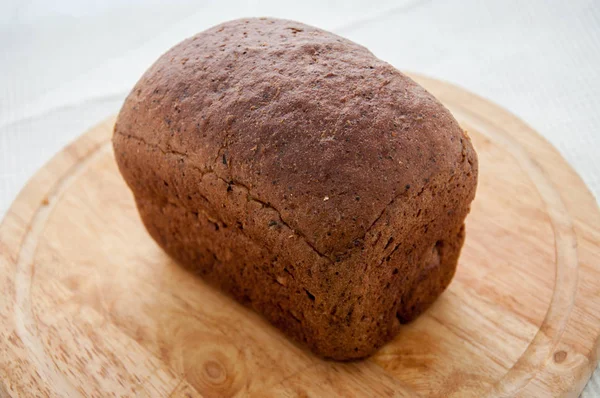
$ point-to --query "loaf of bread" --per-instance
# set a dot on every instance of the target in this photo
(310, 180)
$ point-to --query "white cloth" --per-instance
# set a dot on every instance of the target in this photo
(67, 64)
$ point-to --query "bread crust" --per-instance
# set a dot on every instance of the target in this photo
(298, 172)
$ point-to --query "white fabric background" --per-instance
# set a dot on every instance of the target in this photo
(67, 64)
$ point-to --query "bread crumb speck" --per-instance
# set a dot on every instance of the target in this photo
(326, 198)
(281, 280)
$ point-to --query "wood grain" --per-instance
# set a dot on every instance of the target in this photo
(92, 307)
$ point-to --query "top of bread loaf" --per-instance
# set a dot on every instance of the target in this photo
(314, 125)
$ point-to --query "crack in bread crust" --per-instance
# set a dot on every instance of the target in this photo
(252, 197)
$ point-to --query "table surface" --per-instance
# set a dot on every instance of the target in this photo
(66, 64)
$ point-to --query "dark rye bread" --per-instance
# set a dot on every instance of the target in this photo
(312, 181)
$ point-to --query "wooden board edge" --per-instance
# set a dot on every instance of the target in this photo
(13, 229)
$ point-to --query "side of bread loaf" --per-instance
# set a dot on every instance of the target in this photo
(304, 176)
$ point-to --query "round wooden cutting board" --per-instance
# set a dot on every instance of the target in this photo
(90, 306)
